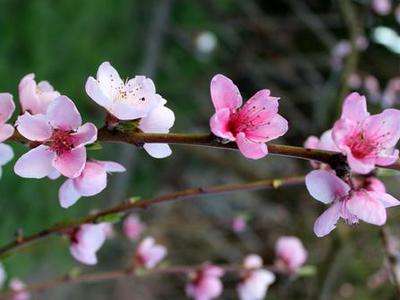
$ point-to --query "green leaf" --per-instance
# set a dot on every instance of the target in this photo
(307, 271)
(94, 146)
(111, 218)
(134, 199)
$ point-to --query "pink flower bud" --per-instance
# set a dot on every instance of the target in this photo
(206, 283)
(132, 227)
(290, 253)
(18, 289)
(149, 254)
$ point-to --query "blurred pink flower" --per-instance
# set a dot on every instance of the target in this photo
(159, 120)
(61, 139)
(290, 253)
(354, 81)
(255, 280)
(239, 224)
(90, 182)
(324, 143)
(35, 97)
(7, 108)
(149, 254)
(391, 94)
(352, 205)
(132, 227)
(367, 140)
(206, 283)
(86, 241)
(373, 88)
(18, 289)
(382, 7)
(128, 100)
(250, 125)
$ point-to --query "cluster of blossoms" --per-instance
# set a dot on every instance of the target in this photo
(206, 284)
(367, 141)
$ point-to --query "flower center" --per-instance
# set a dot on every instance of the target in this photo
(61, 141)
(361, 147)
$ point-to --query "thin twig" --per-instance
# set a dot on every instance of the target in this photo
(145, 203)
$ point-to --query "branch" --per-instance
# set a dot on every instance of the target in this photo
(115, 274)
(145, 203)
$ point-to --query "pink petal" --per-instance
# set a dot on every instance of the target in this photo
(7, 107)
(262, 105)
(34, 127)
(67, 194)
(291, 250)
(37, 163)
(386, 199)
(367, 208)
(86, 134)
(6, 154)
(108, 79)
(342, 129)
(111, 166)
(159, 120)
(6, 131)
(54, 175)
(92, 180)
(326, 142)
(324, 186)
(94, 91)
(311, 142)
(157, 150)
(275, 127)
(388, 157)
(63, 114)
(327, 221)
(383, 128)
(83, 256)
(251, 149)
(355, 108)
(361, 166)
(71, 164)
(127, 111)
(252, 261)
(219, 124)
(224, 93)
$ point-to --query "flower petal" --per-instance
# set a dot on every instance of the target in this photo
(327, 221)
(219, 124)
(157, 150)
(387, 157)
(6, 154)
(355, 108)
(68, 195)
(36, 163)
(386, 199)
(34, 127)
(326, 142)
(112, 167)
(127, 111)
(94, 91)
(70, 164)
(7, 107)
(342, 129)
(159, 120)
(224, 93)
(366, 208)
(383, 128)
(6, 131)
(92, 180)
(361, 166)
(275, 127)
(63, 114)
(249, 148)
(324, 186)
(109, 80)
(86, 134)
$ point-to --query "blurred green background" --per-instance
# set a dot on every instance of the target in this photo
(281, 45)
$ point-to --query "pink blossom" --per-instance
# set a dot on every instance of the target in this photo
(382, 7)
(250, 125)
(35, 97)
(366, 203)
(206, 283)
(239, 224)
(367, 140)
(61, 139)
(339, 52)
(325, 142)
(391, 95)
(149, 254)
(90, 182)
(373, 88)
(108, 229)
(255, 280)
(86, 241)
(132, 227)
(7, 108)
(354, 81)
(159, 120)
(290, 253)
(18, 289)
(128, 100)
